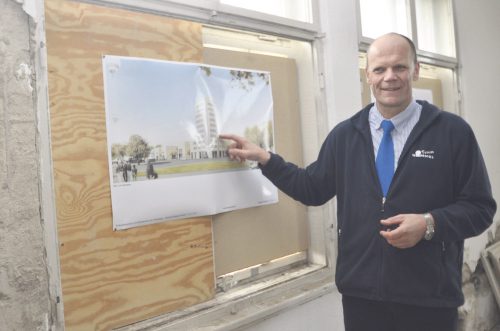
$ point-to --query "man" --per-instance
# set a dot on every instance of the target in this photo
(411, 185)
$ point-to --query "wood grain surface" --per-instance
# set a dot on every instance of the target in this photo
(110, 279)
(252, 236)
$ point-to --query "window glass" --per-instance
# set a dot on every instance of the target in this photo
(383, 16)
(445, 84)
(435, 26)
(282, 230)
(299, 10)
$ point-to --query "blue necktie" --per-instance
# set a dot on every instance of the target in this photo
(385, 157)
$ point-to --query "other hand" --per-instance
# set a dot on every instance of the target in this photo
(241, 149)
(410, 229)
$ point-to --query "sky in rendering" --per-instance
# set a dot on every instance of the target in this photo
(157, 99)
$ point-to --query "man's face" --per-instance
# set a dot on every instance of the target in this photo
(390, 73)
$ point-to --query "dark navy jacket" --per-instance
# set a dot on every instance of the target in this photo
(441, 171)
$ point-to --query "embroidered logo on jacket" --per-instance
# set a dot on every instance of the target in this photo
(423, 153)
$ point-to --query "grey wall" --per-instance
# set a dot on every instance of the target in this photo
(24, 298)
(479, 54)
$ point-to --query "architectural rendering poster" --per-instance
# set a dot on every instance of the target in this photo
(163, 120)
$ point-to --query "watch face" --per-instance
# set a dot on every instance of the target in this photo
(429, 233)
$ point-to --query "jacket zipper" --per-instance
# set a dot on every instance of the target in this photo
(380, 280)
(442, 274)
(443, 252)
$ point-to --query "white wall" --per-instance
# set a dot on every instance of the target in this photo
(479, 53)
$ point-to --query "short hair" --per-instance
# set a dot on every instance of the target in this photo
(412, 47)
(413, 50)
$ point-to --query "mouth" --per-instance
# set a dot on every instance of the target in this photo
(391, 89)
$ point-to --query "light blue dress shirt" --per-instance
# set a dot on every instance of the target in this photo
(403, 122)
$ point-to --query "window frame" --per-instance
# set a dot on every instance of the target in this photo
(268, 294)
(214, 13)
(423, 56)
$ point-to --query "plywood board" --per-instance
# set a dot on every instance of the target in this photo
(253, 236)
(110, 279)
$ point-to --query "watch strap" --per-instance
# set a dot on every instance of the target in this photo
(429, 222)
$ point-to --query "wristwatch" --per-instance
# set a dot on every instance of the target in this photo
(429, 231)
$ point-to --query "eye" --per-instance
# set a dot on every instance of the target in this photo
(378, 70)
(400, 68)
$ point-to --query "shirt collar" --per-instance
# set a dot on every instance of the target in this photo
(399, 120)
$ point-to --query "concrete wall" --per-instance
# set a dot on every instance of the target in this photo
(24, 294)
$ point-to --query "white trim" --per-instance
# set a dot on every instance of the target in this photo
(210, 12)
(457, 71)
(423, 56)
(437, 59)
(412, 12)
(46, 186)
(232, 279)
(358, 22)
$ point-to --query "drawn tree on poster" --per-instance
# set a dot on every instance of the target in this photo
(270, 134)
(206, 70)
(255, 135)
(245, 79)
(118, 151)
(138, 148)
(258, 135)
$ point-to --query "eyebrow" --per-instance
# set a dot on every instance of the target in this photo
(399, 65)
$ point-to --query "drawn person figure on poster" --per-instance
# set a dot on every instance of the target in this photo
(150, 171)
(129, 170)
(124, 172)
(134, 172)
(115, 171)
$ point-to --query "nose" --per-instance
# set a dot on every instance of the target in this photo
(390, 74)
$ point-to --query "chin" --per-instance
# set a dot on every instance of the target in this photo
(391, 103)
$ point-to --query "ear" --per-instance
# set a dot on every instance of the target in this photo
(367, 75)
(416, 71)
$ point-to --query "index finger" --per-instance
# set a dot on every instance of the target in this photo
(233, 137)
(397, 219)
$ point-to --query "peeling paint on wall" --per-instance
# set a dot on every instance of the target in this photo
(30, 8)
(24, 73)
